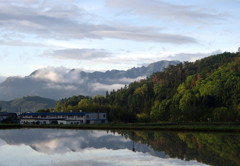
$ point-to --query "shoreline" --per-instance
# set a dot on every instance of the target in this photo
(198, 127)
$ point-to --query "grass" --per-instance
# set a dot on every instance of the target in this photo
(191, 126)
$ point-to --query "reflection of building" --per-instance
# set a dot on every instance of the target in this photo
(63, 118)
(8, 117)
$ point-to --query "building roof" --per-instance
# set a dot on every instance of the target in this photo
(7, 113)
(52, 113)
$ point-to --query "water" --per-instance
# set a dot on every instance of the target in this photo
(58, 147)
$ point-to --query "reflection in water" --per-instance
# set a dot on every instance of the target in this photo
(217, 149)
(133, 148)
(52, 147)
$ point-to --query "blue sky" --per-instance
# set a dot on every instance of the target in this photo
(112, 34)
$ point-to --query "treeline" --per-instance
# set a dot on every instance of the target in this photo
(205, 90)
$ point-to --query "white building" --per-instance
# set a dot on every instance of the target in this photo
(63, 118)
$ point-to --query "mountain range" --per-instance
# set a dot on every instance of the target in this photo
(57, 83)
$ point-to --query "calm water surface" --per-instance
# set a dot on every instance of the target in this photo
(58, 147)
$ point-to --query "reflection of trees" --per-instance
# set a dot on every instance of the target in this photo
(217, 149)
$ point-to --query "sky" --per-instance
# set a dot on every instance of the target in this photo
(99, 35)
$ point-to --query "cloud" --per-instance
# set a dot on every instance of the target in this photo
(71, 80)
(79, 54)
(126, 80)
(105, 87)
(113, 84)
(167, 11)
(191, 56)
(59, 75)
(50, 73)
(148, 36)
(69, 21)
(61, 87)
(2, 78)
(20, 43)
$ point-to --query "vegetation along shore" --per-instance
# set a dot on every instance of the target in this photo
(207, 127)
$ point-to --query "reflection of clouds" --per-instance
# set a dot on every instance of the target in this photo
(60, 145)
(56, 147)
(99, 133)
(47, 146)
(2, 142)
(61, 141)
(23, 155)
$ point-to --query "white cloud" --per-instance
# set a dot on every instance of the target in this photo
(69, 21)
(21, 43)
(129, 80)
(191, 56)
(147, 36)
(100, 87)
(50, 73)
(61, 87)
(168, 11)
(116, 84)
(78, 54)
(59, 75)
(98, 32)
(2, 78)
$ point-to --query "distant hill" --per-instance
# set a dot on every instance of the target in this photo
(57, 83)
(30, 103)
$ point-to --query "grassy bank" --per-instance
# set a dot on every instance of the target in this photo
(226, 127)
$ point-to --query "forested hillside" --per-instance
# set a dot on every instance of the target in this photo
(205, 90)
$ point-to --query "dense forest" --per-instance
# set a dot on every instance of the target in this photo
(204, 90)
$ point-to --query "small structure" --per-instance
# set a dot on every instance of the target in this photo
(63, 118)
(7, 117)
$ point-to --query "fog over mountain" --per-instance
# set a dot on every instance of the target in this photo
(2, 78)
(57, 83)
